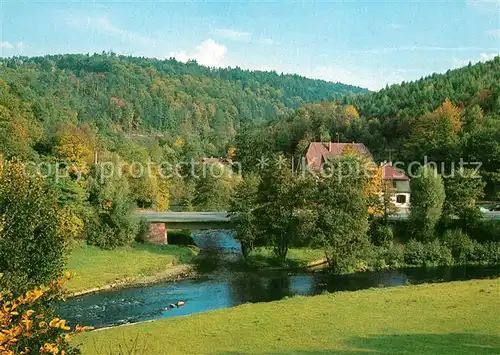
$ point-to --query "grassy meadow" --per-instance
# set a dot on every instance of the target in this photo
(92, 267)
(448, 318)
(296, 257)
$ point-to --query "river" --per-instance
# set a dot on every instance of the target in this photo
(224, 284)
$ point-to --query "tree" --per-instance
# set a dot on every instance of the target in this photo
(214, 187)
(342, 213)
(242, 217)
(113, 223)
(281, 196)
(463, 191)
(435, 134)
(75, 146)
(31, 245)
(427, 199)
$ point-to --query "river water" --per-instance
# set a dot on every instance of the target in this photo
(224, 283)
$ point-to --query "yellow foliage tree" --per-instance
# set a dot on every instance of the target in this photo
(351, 111)
(449, 112)
(71, 226)
(231, 153)
(179, 142)
(75, 146)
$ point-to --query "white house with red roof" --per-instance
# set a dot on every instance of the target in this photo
(400, 182)
(319, 153)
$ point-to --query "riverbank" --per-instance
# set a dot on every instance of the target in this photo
(94, 269)
(296, 258)
(448, 318)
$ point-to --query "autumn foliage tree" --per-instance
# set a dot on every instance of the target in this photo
(75, 146)
(435, 134)
(29, 326)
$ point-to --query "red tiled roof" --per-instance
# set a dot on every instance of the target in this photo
(320, 152)
(391, 173)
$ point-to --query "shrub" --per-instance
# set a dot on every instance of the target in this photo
(427, 254)
(459, 243)
(142, 231)
(382, 235)
(437, 254)
(414, 253)
(485, 253)
(30, 327)
(393, 256)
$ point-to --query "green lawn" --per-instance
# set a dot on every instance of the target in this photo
(449, 318)
(92, 267)
(296, 257)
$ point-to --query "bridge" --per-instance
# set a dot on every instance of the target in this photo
(161, 222)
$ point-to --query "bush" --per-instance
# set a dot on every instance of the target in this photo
(459, 243)
(437, 254)
(428, 254)
(394, 256)
(382, 235)
(142, 231)
(485, 253)
(414, 253)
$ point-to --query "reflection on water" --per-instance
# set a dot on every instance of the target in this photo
(224, 285)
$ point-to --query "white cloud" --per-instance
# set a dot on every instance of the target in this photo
(21, 45)
(459, 62)
(6, 44)
(493, 33)
(209, 53)
(487, 56)
(266, 40)
(232, 34)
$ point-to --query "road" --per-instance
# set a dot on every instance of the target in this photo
(184, 217)
(490, 215)
(222, 217)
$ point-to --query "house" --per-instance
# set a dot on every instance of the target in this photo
(400, 182)
(318, 152)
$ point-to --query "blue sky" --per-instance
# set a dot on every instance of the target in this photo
(365, 43)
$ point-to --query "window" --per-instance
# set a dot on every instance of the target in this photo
(401, 198)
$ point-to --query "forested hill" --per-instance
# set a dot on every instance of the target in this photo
(139, 93)
(472, 84)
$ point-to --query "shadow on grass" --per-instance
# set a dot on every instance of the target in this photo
(421, 344)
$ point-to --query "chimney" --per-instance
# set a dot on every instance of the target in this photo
(95, 157)
(330, 146)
